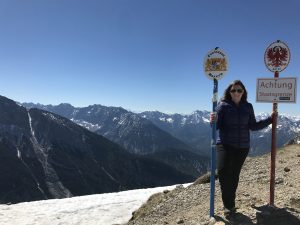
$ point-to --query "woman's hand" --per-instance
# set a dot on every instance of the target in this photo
(213, 117)
(274, 115)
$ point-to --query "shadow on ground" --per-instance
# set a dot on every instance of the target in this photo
(265, 215)
(236, 219)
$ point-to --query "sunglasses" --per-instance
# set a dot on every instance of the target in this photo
(236, 90)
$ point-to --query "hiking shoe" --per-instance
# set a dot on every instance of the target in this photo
(229, 212)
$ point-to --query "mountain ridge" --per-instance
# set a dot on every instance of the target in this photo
(44, 155)
(135, 134)
(192, 130)
(118, 125)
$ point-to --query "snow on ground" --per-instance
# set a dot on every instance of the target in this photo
(101, 209)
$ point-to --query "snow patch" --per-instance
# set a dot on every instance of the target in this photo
(183, 121)
(54, 118)
(205, 120)
(108, 209)
(170, 120)
(18, 153)
(90, 126)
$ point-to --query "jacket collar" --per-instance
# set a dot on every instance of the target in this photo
(230, 102)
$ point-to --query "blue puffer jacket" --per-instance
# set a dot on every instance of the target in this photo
(235, 122)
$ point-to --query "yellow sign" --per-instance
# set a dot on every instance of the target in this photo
(215, 64)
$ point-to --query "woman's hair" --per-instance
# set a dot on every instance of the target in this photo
(227, 95)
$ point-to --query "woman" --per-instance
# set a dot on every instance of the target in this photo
(235, 118)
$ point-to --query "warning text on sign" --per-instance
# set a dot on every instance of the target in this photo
(276, 90)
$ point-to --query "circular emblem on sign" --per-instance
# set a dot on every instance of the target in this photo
(277, 56)
(215, 64)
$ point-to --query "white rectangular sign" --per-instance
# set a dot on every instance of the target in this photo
(276, 90)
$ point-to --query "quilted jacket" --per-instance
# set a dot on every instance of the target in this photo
(235, 122)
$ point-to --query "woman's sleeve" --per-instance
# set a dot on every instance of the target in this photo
(257, 125)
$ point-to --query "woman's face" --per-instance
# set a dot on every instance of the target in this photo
(236, 93)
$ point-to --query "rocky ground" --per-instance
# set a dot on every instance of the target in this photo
(190, 205)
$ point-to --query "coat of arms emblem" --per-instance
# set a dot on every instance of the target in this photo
(277, 56)
(215, 64)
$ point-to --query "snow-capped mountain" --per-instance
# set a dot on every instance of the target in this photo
(136, 134)
(296, 140)
(193, 129)
(287, 129)
(44, 155)
(129, 129)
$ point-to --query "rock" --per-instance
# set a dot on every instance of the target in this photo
(281, 161)
(295, 202)
(220, 223)
(279, 180)
(204, 179)
(180, 221)
(212, 221)
(180, 186)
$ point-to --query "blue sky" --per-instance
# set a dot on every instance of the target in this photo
(140, 54)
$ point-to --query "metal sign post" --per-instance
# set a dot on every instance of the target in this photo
(277, 58)
(215, 67)
(213, 151)
(273, 149)
(275, 90)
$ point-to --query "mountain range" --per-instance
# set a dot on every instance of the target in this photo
(44, 155)
(153, 131)
(136, 134)
(61, 151)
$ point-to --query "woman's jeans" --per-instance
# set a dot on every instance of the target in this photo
(230, 162)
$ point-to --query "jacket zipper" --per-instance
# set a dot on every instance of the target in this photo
(239, 125)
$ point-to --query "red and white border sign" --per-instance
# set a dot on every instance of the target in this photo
(277, 56)
(282, 90)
